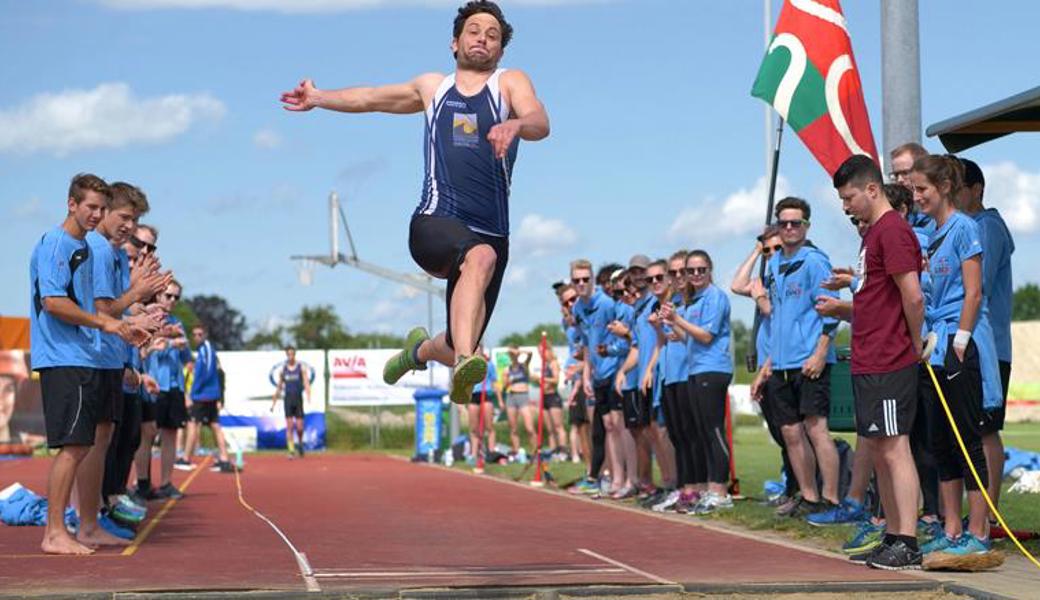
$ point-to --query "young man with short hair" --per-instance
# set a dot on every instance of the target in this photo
(115, 290)
(902, 158)
(294, 380)
(204, 399)
(64, 328)
(475, 119)
(800, 357)
(886, 346)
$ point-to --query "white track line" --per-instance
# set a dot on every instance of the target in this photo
(301, 559)
(628, 568)
(465, 573)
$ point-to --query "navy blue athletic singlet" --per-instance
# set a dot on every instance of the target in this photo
(463, 179)
(293, 378)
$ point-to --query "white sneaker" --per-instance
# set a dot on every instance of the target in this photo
(710, 502)
(668, 502)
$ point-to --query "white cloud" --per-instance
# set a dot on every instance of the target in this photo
(267, 139)
(517, 275)
(741, 212)
(310, 6)
(385, 309)
(541, 236)
(28, 210)
(1016, 193)
(108, 116)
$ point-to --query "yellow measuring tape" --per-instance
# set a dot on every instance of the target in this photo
(974, 473)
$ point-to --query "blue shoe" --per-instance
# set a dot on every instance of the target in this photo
(112, 527)
(929, 530)
(968, 544)
(849, 511)
(71, 520)
(867, 537)
(938, 543)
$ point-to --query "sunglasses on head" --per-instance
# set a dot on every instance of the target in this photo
(655, 278)
(696, 270)
(793, 223)
(577, 280)
(141, 244)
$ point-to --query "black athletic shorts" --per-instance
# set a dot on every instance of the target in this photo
(636, 407)
(111, 395)
(170, 412)
(147, 411)
(607, 395)
(796, 396)
(552, 400)
(886, 403)
(439, 246)
(293, 405)
(577, 411)
(995, 418)
(205, 412)
(71, 402)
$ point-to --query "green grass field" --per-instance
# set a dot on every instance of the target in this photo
(757, 459)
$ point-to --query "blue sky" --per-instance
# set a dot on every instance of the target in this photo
(654, 134)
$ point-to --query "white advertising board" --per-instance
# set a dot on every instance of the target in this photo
(356, 379)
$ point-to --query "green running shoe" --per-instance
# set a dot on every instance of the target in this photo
(469, 371)
(402, 362)
(867, 537)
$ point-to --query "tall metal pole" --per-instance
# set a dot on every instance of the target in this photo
(767, 30)
(900, 75)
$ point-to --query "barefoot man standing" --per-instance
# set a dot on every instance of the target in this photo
(475, 118)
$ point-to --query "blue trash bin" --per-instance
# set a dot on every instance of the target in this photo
(429, 422)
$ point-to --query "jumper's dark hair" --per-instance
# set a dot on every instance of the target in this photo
(793, 202)
(942, 168)
(482, 6)
(858, 170)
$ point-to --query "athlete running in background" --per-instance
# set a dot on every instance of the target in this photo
(474, 120)
(295, 381)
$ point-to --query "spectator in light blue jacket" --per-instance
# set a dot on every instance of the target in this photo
(800, 355)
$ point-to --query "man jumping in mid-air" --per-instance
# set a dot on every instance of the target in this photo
(475, 118)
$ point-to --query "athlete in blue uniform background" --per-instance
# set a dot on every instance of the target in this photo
(475, 118)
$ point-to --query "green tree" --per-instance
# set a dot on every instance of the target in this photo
(1025, 306)
(184, 312)
(319, 327)
(227, 326)
(553, 331)
(267, 340)
(740, 334)
(376, 340)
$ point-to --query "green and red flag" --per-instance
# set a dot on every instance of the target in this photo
(810, 77)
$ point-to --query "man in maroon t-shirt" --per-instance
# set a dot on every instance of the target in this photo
(888, 311)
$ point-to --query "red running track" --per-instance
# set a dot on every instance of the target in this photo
(368, 522)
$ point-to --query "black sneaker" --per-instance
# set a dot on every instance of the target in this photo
(168, 491)
(299, 450)
(806, 507)
(226, 467)
(793, 505)
(896, 556)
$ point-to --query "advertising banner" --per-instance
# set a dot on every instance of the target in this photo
(21, 411)
(356, 379)
(248, 416)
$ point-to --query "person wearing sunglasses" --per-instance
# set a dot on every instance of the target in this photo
(635, 374)
(800, 355)
(167, 355)
(747, 283)
(573, 367)
(624, 385)
(704, 320)
(593, 311)
(675, 405)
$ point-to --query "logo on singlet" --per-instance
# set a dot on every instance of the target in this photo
(464, 130)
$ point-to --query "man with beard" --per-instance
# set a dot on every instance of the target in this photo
(475, 118)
